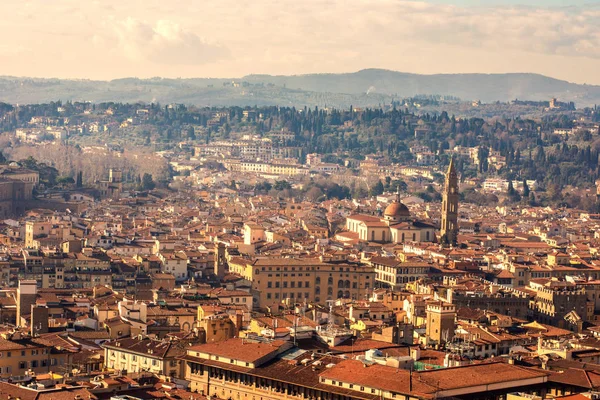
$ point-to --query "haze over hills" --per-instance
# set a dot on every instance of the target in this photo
(484, 87)
(362, 88)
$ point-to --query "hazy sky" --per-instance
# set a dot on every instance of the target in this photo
(106, 39)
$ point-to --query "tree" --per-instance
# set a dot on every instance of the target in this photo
(525, 189)
(314, 193)
(65, 180)
(282, 185)
(388, 182)
(190, 133)
(512, 193)
(377, 189)
(148, 182)
(532, 199)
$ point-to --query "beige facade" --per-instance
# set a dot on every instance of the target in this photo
(293, 280)
(143, 354)
(20, 354)
(396, 226)
(440, 322)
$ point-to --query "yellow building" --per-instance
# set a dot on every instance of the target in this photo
(144, 354)
(21, 354)
(293, 280)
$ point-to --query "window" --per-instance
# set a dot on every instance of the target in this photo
(22, 365)
(8, 354)
(269, 284)
(34, 364)
(268, 295)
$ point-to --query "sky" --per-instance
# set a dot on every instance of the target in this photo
(108, 39)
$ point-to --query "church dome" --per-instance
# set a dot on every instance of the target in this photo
(397, 210)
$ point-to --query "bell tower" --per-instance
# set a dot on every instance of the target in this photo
(449, 228)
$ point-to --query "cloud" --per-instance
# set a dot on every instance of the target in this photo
(232, 37)
(165, 42)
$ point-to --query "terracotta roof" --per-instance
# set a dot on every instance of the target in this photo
(240, 349)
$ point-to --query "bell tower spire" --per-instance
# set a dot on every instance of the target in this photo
(449, 228)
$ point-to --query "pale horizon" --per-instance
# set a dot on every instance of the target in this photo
(106, 40)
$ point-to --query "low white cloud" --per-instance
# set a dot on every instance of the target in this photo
(164, 42)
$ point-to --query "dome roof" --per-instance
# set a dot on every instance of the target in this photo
(396, 209)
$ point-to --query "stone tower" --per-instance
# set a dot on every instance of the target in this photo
(449, 227)
(26, 297)
(219, 260)
(440, 322)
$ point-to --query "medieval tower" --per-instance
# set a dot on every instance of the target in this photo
(449, 229)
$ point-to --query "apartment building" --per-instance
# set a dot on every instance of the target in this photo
(293, 280)
(20, 354)
(144, 354)
(246, 368)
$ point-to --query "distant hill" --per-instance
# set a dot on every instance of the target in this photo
(362, 88)
(484, 87)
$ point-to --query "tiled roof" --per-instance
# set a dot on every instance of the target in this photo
(240, 349)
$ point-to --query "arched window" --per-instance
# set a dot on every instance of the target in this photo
(330, 281)
(318, 280)
(317, 290)
(256, 271)
(347, 284)
(340, 294)
(329, 291)
(347, 294)
(340, 283)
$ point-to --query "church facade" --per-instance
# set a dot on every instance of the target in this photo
(396, 226)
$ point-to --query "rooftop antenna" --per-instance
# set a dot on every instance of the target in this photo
(330, 324)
